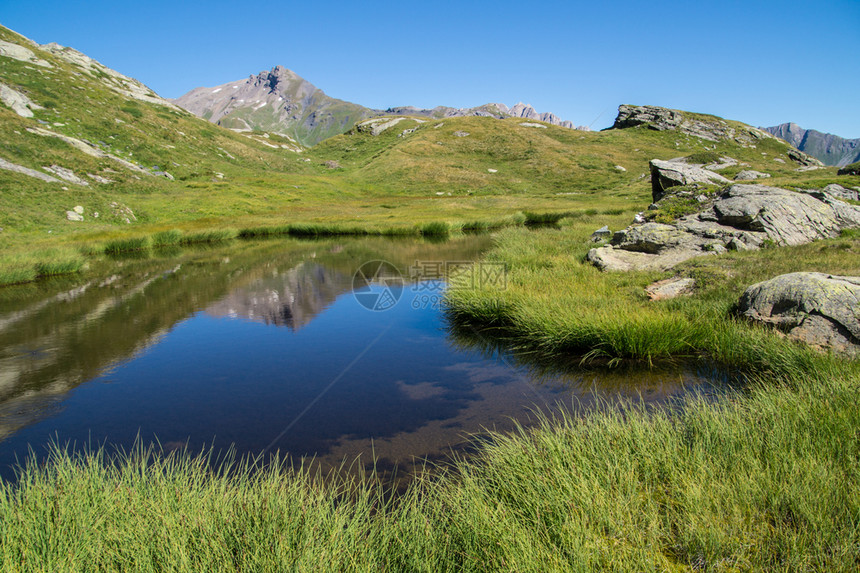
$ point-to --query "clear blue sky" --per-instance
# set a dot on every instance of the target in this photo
(759, 61)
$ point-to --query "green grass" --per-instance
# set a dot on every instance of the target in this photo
(208, 236)
(126, 245)
(766, 480)
(167, 238)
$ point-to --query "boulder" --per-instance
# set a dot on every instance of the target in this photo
(750, 175)
(601, 234)
(816, 308)
(668, 174)
(74, 216)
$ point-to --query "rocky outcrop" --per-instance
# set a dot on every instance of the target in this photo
(667, 174)
(709, 128)
(818, 309)
(830, 149)
(750, 175)
(743, 217)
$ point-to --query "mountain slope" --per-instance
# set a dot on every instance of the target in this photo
(830, 149)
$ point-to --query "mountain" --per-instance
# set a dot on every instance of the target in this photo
(497, 110)
(281, 101)
(277, 100)
(830, 149)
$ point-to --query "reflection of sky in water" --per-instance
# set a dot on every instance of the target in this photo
(292, 361)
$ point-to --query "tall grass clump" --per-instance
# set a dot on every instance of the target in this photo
(127, 244)
(168, 238)
(208, 236)
(544, 218)
(264, 231)
(15, 271)
(440, 228)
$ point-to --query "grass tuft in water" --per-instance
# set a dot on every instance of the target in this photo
(127, 244)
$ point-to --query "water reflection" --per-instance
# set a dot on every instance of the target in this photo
(262, 346)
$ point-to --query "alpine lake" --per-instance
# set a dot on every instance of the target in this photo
(334, 352)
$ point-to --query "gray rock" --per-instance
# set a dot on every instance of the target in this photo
(74, 216)
(14, 167)
(841, 192)
(670, 288)
(66, 174)
(819, 309)
(620, 168)
(601, 234)
(18, 102)
(750, 175)
(668, 174)
(461, 134)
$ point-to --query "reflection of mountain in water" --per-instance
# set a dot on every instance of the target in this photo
(290, 299)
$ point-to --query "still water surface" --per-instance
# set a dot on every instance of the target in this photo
(265, 347)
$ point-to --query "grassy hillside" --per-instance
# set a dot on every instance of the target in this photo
(170, 169)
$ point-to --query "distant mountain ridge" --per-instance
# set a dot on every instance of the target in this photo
(830, 149)
(281, 101)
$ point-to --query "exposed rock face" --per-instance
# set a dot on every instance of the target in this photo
(750, 175)
(819, 309)
(667, 174)
(830, 149)
(741, 218)
(9, 166)
(18, 102)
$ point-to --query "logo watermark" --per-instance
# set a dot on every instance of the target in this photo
(379, 285)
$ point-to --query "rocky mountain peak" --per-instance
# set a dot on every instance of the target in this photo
(830, 149)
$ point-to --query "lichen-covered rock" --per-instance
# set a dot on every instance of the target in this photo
(819, 309)
(668, 174)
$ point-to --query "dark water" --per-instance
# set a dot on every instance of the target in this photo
(269, 347)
